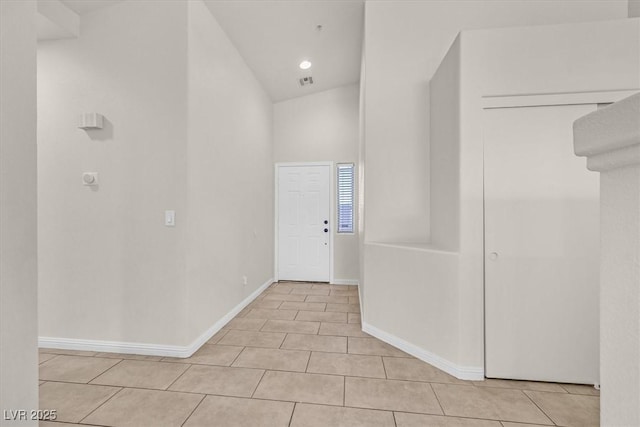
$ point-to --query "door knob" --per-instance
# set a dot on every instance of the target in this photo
(493, 256)
(326, 222)
(326, 230)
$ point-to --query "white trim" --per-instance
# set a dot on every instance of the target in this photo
(472, 373)
(569, 98)
(332, 211)
(150, 349)
(344, 282)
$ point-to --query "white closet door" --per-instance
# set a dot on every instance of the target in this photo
(304, 223)
(541, 247)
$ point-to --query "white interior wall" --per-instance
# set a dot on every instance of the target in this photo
(510, 61)
(18, 255)
(518, 61)
(323, 127)
(404, 44)
(176, 138)
(105, 255)
(230, 175)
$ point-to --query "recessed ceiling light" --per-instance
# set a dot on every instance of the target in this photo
(305, 65)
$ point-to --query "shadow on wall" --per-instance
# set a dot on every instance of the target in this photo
(104, 134)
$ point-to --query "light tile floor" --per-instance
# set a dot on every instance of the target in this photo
(297, 357)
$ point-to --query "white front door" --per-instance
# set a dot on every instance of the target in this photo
(304, 222)
(541, 247)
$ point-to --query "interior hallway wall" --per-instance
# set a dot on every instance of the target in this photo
(323, 127)
(188, 129)
(405, 41)
(108, 265)
(230, 192)
(18, 242)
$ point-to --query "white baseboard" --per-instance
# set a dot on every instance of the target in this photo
(150, 349)
(472, 373)
(344, 282)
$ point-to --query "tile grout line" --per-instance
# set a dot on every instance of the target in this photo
(264, 372)
(437, 399)
(295, 404)
(539, 408)
(395, 422)
(384, 367)
(101, 405)
(178, 377)
(236, 358)
(194, 410)
(104, 372)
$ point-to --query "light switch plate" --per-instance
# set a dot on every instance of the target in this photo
(170, 218)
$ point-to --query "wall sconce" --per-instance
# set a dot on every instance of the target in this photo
(88, 121)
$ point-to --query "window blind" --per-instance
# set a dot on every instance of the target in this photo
(345, 197)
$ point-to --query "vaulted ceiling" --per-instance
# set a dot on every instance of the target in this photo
(274, 36)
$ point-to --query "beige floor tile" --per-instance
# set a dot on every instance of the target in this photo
(269, 304)
(217, 336)
(333, 300)
(238, 382)
(402, 368)
(135, 408)
(306, 415)
(278, 289)
(43, 357)
(353, 365)
(269, 358)
(295, 387)
(520, 385)
(321, 316)
(343, 308)
(57, 424)
(343, 293)
(344, 287)
(321, 286)
(75, 369)
(298, 285)
(67, 352)
(404, 419)
(373, 347)
(568, 409)
(342, 330)
(253, 339)
(291, 326)
(246, 324)
(284, 297)
(128, 356)
(508, 424)
(236, 412)
(308, 306)
(391, 395)
(73, 402)
(489, 403)
(141, 373)
(264, 313)
(315, 343)
(581, 389)
(354, 318)
(354, 300)
(210, 354)
(323, 292)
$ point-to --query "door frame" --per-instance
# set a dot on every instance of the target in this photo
(332, 219)
(534, 100)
